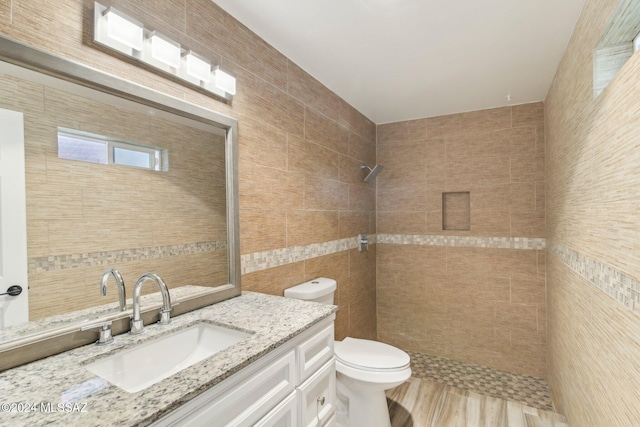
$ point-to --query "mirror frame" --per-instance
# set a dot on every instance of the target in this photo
(54, 341)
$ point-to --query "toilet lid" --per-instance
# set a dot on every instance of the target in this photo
(370, 355)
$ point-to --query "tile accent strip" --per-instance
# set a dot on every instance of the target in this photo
(465, 241)
(91, 259)
(277, 257)
(616, 284)
(274, 258)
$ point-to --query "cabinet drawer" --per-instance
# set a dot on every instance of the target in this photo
(283, 415)
(314, 352)
(317, 397)
(245, 403)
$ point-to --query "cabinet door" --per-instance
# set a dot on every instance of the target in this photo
(317, 397)
(331, 422)
(283, 415)
(243, 404)
(314, 352)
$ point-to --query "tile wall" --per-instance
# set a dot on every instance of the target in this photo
(300, 145)
(477, 296)
(593, 232)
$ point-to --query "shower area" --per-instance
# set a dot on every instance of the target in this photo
(460, 256)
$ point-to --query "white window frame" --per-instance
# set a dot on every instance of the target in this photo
(157, 155)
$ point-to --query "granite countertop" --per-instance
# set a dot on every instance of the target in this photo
(89, 315)
(79, 398)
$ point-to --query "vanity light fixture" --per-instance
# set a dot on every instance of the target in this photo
(198, 68)
(225, 82)
(118, 31)
(165, 50)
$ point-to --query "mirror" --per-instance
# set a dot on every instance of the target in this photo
(83, 217)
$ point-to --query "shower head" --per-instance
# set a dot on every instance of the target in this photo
(373, 172)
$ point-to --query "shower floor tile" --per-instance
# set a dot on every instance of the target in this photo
(529, 391)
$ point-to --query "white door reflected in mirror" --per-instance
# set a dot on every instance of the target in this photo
(14, 309)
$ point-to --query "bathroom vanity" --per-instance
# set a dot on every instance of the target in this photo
(281, 374)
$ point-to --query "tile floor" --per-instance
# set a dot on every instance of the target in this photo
(424, 403)
(529, 391)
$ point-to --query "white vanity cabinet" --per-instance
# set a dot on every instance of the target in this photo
(292, 386)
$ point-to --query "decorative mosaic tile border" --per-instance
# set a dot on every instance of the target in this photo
(103, 258)
(463, 241)
(268, 259)
(529, 391)
(619, 286)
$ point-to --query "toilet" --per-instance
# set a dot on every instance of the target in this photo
(364, 368)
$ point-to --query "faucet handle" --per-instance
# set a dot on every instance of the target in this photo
(105, 331)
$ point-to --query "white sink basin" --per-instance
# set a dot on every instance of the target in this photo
(138, 368)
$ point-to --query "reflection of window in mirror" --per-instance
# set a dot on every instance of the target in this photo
(93, 148)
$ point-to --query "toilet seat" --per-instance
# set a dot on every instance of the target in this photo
(370, 355)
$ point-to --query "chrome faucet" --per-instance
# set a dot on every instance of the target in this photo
(165, 312)
(122, 295)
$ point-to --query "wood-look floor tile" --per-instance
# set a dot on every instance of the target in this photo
(422, 403)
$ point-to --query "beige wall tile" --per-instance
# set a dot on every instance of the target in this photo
(444, 126)
(493, 159)
(591, 204)
(5, 11)
(334, 266)
(323, 194)
(392, 133)
(469, 172)
(274, 280)
(480, 144)
(411, 197)
(306, 227)
(261, 144)
(527, 114)
(524, 141)
(361, 198)
(324, 131)
(263, 230)
(526, 169)
(361, 149)
(311, 92)
(356, 122)
(404, 163)
(207, 21)
(399, 222)
(490, 222)
(266, 188)
(309, 158)
(486, 120)
(354, 223)
(528, 223)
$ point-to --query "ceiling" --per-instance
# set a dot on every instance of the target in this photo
(397, 60)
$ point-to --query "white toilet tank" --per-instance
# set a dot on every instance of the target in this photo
(318, 290)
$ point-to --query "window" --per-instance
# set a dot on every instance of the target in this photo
(616, 45)
(88, 147)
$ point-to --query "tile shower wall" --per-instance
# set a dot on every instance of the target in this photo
(476, 296)
(301, 146)
(593, 230)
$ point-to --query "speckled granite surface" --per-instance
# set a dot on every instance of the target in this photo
(90, 314)
(273, 320)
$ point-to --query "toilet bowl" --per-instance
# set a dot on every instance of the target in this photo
(364, 368)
